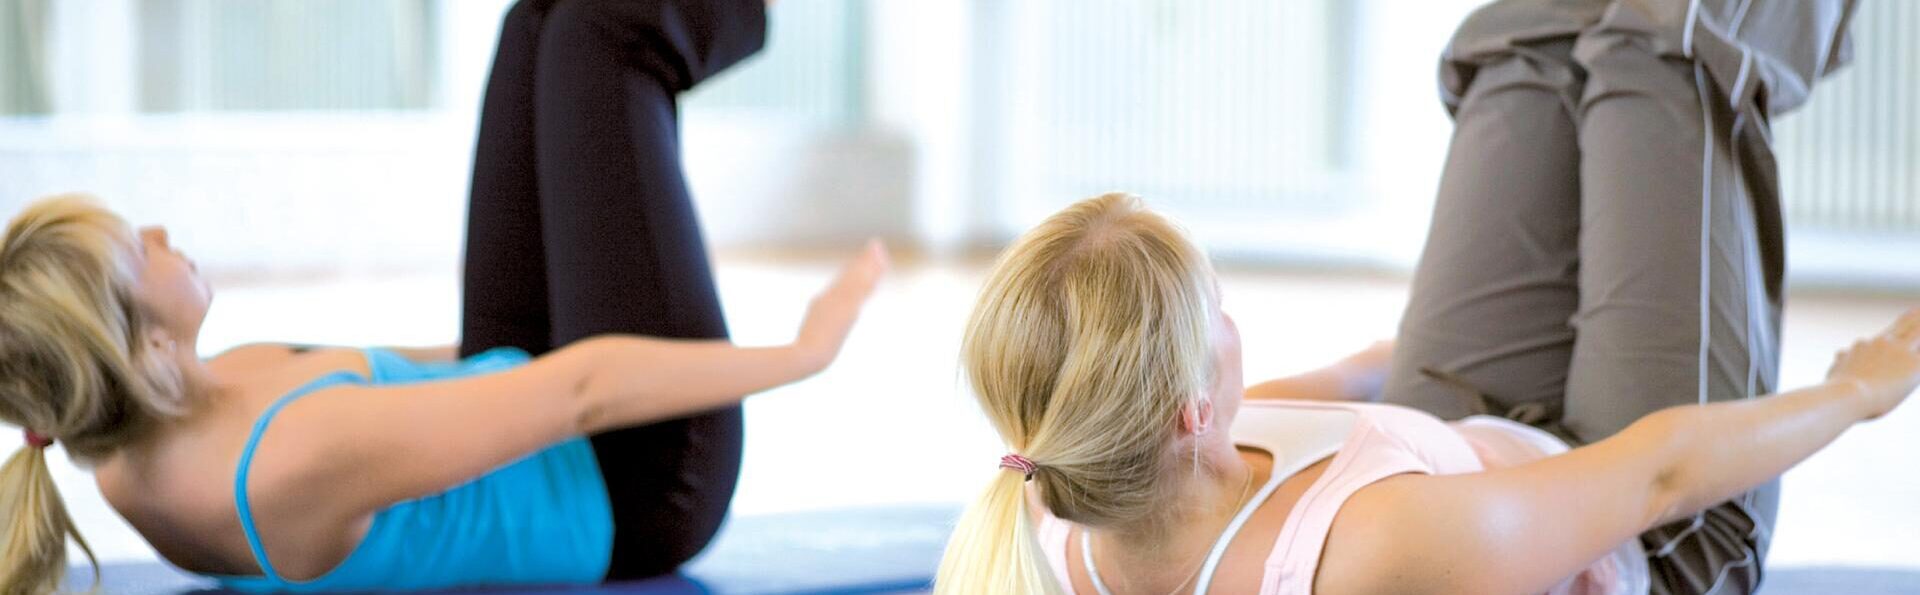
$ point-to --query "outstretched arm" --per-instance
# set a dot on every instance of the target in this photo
(1548, 519)
(1357, 377)
(253, 355)
(428, 354)
(401, 442)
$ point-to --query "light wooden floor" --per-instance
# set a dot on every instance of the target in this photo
(888, 424)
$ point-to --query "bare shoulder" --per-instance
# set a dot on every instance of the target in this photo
(1368, 549)
(183, 509)
(251, 356)
(274, 364)
(307, 526)
(398, 442)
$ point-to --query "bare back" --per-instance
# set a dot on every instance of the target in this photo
(176, 487)
(1243, 567)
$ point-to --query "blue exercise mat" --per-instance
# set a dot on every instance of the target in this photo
(850, 552)
(1822, 580)
(882, 550)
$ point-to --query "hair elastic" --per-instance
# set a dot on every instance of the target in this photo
(38, 440)
(1019, 463)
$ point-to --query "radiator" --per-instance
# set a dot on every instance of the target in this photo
(1212, 105)
(1850, 159)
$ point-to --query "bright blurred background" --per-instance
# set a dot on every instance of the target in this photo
(313, 157)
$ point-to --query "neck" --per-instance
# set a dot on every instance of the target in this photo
(200, 383)
(1165, 553)
(193, 370)
(142, 433)
(1203, 504)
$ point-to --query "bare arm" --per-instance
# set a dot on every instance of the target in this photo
(256, 354)
(427, 355)
(1357, 377)
(627, 381)
(400, 442)
(1549, 519)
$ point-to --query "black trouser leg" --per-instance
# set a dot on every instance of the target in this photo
(504, 281)
(619, 245)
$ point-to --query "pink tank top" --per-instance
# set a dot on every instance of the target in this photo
(1382, 441)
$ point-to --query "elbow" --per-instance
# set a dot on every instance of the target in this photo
(1666, 499)
(810, 360)
(585, 403)
(1673, 477)
(586, 415)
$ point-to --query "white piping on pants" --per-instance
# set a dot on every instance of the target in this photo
(1747, 269)
(1706, 268)
(1666, 549)
(1739, 18)
(1706, 225)
(1720, 580)
(1740, 82)
(1686, 30)
(1758, 332)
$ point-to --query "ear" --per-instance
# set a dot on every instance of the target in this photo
(158, 340)
(1196, 417)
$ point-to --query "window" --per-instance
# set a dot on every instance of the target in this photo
(1248, 120)
(1281, 129)
(244, 55)
(1211, 106)
(23, 76)
(810, 69)
(1850, 160)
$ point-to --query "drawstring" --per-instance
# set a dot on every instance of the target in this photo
(1531, 413)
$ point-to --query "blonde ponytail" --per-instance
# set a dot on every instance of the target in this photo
(1090, 335)
(33, 556)
(993, 548)
(72, 368)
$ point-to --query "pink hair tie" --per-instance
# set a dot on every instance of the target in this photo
(1019, 463)
(34, 439)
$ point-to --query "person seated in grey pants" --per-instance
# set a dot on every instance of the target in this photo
(1607, 239)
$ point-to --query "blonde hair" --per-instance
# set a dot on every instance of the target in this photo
(1090, 336)
(73, 367)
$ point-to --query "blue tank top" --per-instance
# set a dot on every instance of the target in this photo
(544, 519)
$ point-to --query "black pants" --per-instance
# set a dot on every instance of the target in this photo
(580, 224)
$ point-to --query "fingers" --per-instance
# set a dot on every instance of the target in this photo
(1906, 330)
(872, 263)
(877, 258)
(857, 279)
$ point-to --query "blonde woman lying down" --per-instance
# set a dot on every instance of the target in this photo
(1101, 351)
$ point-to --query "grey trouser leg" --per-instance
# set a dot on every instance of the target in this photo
(1674, 308)
(1606, 243)
(1498, 279)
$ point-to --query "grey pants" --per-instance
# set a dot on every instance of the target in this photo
(1607, 238)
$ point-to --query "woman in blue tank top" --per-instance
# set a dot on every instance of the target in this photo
(283, 468)
(587, 428)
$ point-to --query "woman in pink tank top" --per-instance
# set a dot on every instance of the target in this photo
(1101, 354)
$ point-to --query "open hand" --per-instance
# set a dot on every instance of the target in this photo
(1887, 364)
(832, 314)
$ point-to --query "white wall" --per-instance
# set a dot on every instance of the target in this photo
(304, 192)
(939, 147)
